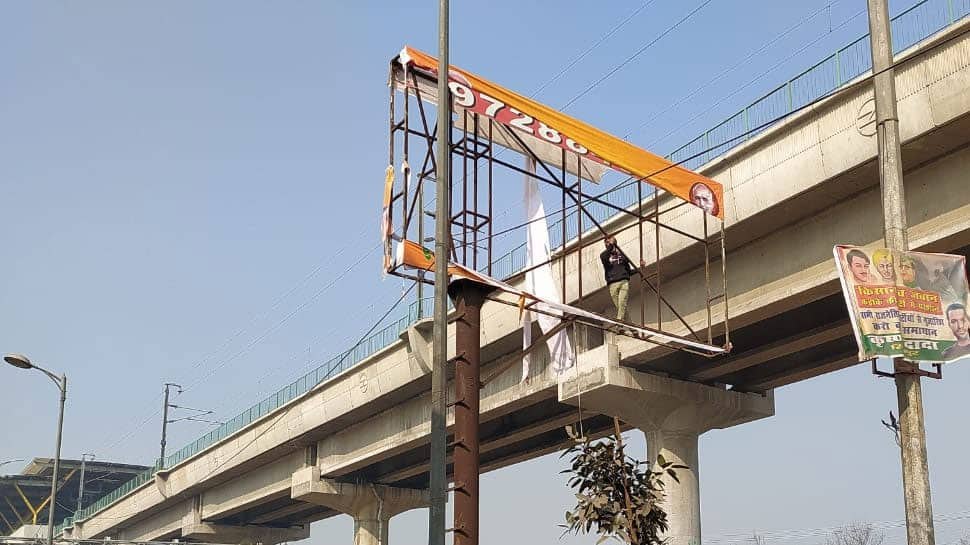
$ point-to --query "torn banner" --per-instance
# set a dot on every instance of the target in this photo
(386, 228)
(524, 116)
(539, 280)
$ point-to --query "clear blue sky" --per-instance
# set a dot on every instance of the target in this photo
(177, 179)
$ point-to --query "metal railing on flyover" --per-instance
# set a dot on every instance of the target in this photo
(916, 23)
(10, 540)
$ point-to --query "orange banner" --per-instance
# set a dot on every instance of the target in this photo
(413, 255)
(386, 229)
(524, 114)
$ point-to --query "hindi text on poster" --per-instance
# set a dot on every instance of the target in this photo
(911, 305)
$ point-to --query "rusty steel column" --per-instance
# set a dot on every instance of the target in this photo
(468, 297)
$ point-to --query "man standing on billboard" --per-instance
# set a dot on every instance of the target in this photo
(956, 317)
(618, 270)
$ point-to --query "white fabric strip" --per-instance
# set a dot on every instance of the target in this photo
(539, 280)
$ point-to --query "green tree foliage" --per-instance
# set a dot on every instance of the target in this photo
(616, 496)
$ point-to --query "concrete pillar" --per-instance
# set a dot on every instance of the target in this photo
(371, 505)
(683, 501)
(671, 413)
(370, 524)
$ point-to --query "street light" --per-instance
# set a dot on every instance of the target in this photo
(23, 362)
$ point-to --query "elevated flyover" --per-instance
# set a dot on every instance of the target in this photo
(358, 442)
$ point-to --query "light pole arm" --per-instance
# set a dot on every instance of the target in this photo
(61, 381)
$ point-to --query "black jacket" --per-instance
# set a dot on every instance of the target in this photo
(616, 266)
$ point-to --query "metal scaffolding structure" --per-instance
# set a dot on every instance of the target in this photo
(479, 129)
(476, 145)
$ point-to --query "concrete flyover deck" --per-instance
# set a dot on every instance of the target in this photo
(791, 194)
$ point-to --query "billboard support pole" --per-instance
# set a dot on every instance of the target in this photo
(916, 477)
(468, 297)
(439, 381)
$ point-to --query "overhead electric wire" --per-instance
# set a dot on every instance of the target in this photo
(754, 130)
(285, 319)
(616, 68)
(630, 180)
(631, 58)
(590, 49)
(725, 72)
(279, 300)
(803, 533)
(332, 368)
(106, 445)
(753, 81)
(313, 273)
(285, 364)
(613, 30)
(344, 355)
(764, 46)
(842, 90)
(811, 16)
(573, 63)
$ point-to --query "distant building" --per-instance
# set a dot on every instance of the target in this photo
(25, 496)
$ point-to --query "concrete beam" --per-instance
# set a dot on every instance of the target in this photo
(281, 513)
(160, 525)
(244, 535)
(257, 486)
(777, 349)
(488, 446)
(408, 425)
(651, 402)
(371, 505)
(783, 379)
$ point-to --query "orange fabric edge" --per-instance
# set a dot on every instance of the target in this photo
(619, 154)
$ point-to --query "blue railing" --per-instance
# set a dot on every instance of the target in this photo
(369, 346)
(920, 21)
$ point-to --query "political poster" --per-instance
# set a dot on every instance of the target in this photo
(911, 305)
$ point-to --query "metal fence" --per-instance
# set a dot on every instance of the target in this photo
(920, 21)
(368, 347)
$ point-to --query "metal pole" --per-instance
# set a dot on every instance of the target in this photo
(916, 478)
(161, 456)
(468, 297)
(438, 483)
(80, 490)
(52, 506)
(421, 273)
